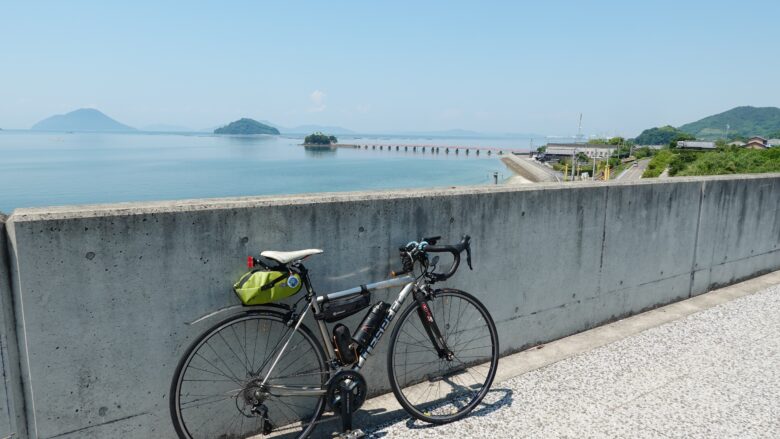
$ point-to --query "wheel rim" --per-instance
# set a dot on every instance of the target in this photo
(439, 388)
(219, 383)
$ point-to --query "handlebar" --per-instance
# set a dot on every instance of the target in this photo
(426, 246)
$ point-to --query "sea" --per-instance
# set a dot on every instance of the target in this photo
(40, 169)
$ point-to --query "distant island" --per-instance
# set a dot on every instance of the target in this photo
(246, 126)
(736, 124)
(83, 119)
(320, 139)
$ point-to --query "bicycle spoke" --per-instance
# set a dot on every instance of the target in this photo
(435, 387)
(216, 401)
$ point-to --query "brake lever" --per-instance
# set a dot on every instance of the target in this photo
(467, 238)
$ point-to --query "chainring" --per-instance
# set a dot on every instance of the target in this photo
(357, 385)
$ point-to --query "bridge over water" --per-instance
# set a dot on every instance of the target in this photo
(435, 149)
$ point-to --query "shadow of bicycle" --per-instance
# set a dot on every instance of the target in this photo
(494, 400)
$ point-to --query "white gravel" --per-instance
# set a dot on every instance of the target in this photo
(713, 374)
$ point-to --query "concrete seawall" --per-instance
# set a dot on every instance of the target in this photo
(106, 292)
(11, 401)
(526, 169)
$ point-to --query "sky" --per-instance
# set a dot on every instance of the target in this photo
(370, 66)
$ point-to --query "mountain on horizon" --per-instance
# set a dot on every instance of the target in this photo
(740, 122)
(83, 119)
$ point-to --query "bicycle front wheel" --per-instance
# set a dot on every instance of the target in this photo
(218, 390)
(438, 388)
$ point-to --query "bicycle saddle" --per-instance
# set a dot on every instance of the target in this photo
(285, 257)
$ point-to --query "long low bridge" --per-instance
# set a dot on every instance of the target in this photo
(434, 149)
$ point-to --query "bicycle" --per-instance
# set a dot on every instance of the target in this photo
(263, 372)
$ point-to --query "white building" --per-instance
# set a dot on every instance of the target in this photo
(693, 144)
(563, 150)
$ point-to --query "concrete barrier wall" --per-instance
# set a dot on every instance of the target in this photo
(11, 400)
(106, 292)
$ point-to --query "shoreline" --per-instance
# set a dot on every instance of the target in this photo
(526, 170)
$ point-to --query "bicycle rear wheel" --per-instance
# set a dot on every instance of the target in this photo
(433, 388)
(217, 390)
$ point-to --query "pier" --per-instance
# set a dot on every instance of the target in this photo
(434, 149)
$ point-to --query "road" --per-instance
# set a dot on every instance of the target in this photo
(634, 172)
(712, 374)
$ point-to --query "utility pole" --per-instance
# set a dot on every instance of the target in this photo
(573, 155)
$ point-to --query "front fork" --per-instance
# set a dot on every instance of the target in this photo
(429, 323)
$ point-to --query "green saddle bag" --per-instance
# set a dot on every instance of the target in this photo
(261, 286)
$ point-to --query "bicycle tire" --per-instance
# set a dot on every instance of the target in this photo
(180, 424)
(421, 410)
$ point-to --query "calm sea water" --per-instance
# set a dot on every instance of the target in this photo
(48, 169)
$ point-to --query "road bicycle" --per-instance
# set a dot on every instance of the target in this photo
(264, 373)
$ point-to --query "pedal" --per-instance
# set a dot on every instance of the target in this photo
(352, 434)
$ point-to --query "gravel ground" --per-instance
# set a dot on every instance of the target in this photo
(713, 374)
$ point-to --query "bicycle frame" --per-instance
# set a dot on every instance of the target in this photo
(315, 303)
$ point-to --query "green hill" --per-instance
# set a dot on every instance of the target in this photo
(246, 126)
(742, 122)
(661, 136)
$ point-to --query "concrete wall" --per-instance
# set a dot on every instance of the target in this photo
(106, 291)
(11, 400)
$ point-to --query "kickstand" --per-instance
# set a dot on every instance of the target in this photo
(347, 401)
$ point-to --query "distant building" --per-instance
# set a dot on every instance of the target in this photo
(694, 144)
(757, 142)
(737, 143)
(773, 142)
(562, 150)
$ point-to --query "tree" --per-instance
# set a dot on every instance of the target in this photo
(319, 138)
(659, 136)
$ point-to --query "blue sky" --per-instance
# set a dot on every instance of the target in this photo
(389, 66)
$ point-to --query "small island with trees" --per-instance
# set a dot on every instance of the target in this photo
(246, 127)
(319, 139)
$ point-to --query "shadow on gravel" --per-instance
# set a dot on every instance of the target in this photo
(494, 400)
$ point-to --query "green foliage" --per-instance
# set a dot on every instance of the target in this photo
(541, 149)
(681, 160)
(610, 141)
(643, 152)
(246, 127)
(725, 160)
(660, 136)
(658, 163)
(734, 161)
(319, 138)
(742, 122)
(622, 152)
